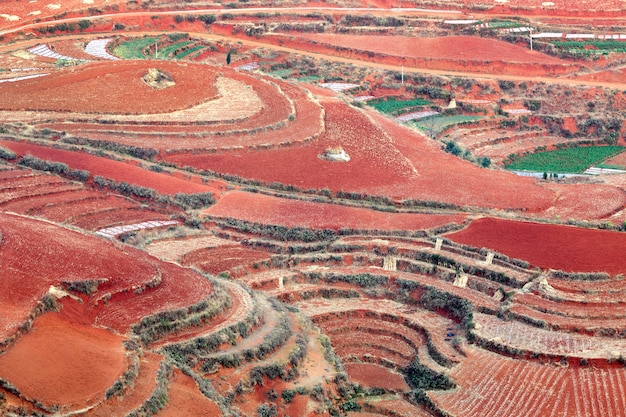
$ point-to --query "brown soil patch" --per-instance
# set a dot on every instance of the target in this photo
(65, 363)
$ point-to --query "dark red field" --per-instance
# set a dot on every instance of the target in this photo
(549, 246)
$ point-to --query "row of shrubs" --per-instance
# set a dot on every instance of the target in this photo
(364, 280)
(272, 341)
(186, 201)
(58, 168)
(496, 276)
(154, 327)
(134, 151)
(281, 233)
(126, 380)
(327, 293)
(206, 345)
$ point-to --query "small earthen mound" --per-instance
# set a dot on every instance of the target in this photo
(158, 79)
(336, 153)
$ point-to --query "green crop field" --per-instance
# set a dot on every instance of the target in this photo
(501, 24)
(169, 49)
(393, 106)
(190, 51)
(282, 73)
(571, 160)
(133, 48)
(597, 47)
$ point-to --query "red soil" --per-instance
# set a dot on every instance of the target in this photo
(585, 201)
(22, 9)
(509, 387)
(549, 246)
(81, 361)
(371, 375)
(35, 255)
(452, 53)
(112, 87)
(141, 389)
(386, 159)
(265, 209)
(184, 398)
(179, 288)
(619, 160)
(449, 47)
(116, 170)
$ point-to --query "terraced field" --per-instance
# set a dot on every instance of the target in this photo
(175, 232)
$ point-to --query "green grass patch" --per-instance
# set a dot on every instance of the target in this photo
(393, 106)
(570, 160)
(439, 124)
(133, 48)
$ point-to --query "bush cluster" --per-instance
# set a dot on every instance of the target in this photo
(7, 154)
(58, 168)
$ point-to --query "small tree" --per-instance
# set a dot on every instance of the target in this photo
(228, 58)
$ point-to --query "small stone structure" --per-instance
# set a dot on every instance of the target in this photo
(158, 79)
(489, 259)
(390, 264)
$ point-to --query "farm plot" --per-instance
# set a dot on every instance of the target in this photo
(172, 288)
(487, 188)
(504, 389)
(260, 208)
(389, 405)
(230, 122)
(113, 88)
(433, 324)
(39, 249)
(393, 106)
(224, 258)
(372, 375)
(143, 386)
(118, 171)
(447, 52)
(584, 310)
(571, 160)
(562, 247)
(439, 124)
(111, 217)
(524, 337)
(585, 201)
(172, 249)
(87, 361)
(184, 398)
